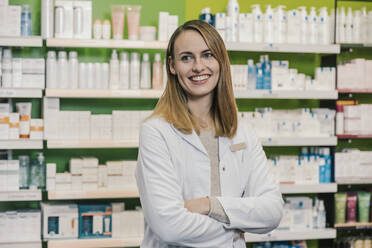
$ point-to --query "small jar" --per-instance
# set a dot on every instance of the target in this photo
(148, 33)
(106, 30)
(97, 29)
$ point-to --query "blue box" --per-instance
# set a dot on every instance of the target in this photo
(95, 221)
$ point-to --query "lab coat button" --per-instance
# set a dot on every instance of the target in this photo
(223, 168)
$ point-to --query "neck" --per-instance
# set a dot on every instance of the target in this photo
(200, 108)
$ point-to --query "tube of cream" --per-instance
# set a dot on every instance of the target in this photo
(340, 208)
(364, 199)
(133, 15)
(24, 110)
(351, 207)
(117, 16)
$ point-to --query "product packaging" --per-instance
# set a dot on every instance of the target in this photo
(340, 208)
(364, 200)
(351, 207)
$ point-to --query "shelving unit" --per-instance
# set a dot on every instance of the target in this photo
(353, 226)
(21, 144)
(21, 195)
(284, 48)
(308, 188)
(21, 244)
(354, 136)
(299, 141)
(94, 243)
(328, 233)
(356, 181)
(356, 91)
(287, 94)
(21, 41)
(21, 93)
(68, 144)
(100, 194)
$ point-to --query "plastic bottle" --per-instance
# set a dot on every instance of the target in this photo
(266, 73)
(364, 26)
(269, 25)
(332, 26)
(26, 21)
(339, 120)
(280, 25)
(315, 214)
(324, 35)
(114, 70)
(328, 164)
(157, 73)
(134, 71)
(251, 84)
(124, 71)
(105, 75)
(145, 82)
(207, 16)
(97, 76)
(304, 25)
(313, 31)
(51, 73)
(321, 215)
(341, 26)
(24, 171)
(357, 19)
(165, 75)
(73, 70)
(257, 23)
(233, 12)
(42, 170)
(349, 26)
(259, 76)
(62, 70)
(90, 76)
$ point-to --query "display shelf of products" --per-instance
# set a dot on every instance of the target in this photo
(128, 44)
(99, 194)
(328, 233)
(346, 181)
(21, 195)
(354, 136)
(100, 93)
(353, 226)
(355, 45)
(91, 144)
(283, 48)
(20, 93)
(308, 188)
(21, 41)
(287, 94)
(356, 91)
(21, 244)
(299, 141)
(20, 144)
(94, 243)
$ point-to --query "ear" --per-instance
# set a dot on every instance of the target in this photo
(171, 65)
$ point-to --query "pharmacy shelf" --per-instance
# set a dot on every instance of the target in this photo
(20, 195)
(20, 144)
(308, 188)
(162, 45)
(94, 243)
(99, 93)
(347, 181)
(21, 41)
(356, 45)
(129, 44)
(99, 194)
(60, 144)
(299, 141)
(354, 136)
(353, 226)
(328, 233)
(287, 94)
(355, 91)
(20, 93)
(20, 244)
(283, 48)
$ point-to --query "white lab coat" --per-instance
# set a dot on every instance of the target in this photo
(173, 167)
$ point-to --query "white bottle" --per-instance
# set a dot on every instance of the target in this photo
(251, 81)
(124, 71)
(83, 76)
(339, 122)
(280, 25)
(97, 76)
(62, 70)
(364, 26)
(357, 19)
(257, 23)
(294, 32)
(313, 34)
(134, 71)
(269, 25)
(145, 82)
(73, 70)
(90, 76)
(324, 35)
(315, 214)
(233, 12)
(304, 25)
(165, 74)
(369, 25)
(321, 215)
(51, 75)
(341, 26)
(332, 26)
(157, 73)
(114, 70)
(349, 26)
(105, 74)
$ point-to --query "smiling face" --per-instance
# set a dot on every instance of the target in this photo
(194, 65)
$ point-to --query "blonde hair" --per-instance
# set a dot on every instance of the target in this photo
(172, 105)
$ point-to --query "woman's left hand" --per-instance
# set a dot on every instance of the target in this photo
(199, 205)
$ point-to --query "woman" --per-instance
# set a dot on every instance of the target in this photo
(202, 177)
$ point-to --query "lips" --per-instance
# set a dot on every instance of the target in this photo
(199, 79)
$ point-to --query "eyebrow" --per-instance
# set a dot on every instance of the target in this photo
(187, 52)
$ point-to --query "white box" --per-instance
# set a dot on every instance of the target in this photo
(51, 170)
(101, 127)
(77, 183)
(90, 186)
(68, 19)
(114, 167)
(13, 126)
(116, 182)
(4, 125)
(4, 2)
(102, 176)
(10, 19)
(13, 165)
(90, 162)
(37, 129)
(51, 184)
(63, 178)
(84, 125)
(163, 26)
(76, 166)
(90, 178)
(87, 19)
(34, 81)
(33, 66)
(63, 186)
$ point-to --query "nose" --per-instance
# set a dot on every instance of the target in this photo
(198, 65)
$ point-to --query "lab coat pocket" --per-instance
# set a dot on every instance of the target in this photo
(197, 178)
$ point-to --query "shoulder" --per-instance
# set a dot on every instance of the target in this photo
(155, 124)
(245, 133)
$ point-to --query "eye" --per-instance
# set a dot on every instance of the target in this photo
(208, 55)
(186, 58)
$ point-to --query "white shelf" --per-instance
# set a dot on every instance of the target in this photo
(287, 94)
(20, 144)
(129, 44)
(99, 194)
(91, 144)
(21, 41)
(20, 244)
(299, 141)
(94, 243)
(283, 48)
(276, 235)
(21, 195)
(96, 93)
(354, 180)
(308, 188)
(21, 93)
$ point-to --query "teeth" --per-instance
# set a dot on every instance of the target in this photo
(200, 78)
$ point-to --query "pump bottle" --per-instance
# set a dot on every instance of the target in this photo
(257, 23)
(157, 77)
(233, 12)
(114, 70)
(145, 72)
